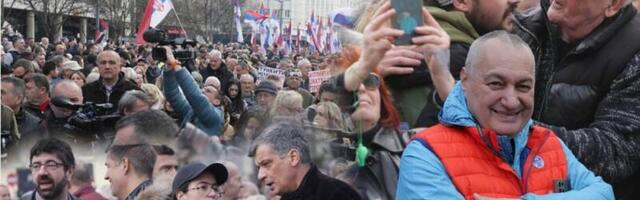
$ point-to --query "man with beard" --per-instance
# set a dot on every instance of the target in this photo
(52, 165)
(406, 71)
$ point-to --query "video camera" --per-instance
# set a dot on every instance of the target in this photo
(154, 35)
(88, 117)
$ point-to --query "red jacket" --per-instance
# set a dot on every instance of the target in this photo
(475, 166)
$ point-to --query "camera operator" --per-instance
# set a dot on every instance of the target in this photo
(112, 83)
(57, 117)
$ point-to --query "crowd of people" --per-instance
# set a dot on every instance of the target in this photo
(490, 101)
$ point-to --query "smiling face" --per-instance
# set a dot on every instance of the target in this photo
(499, 87)
(116, 176)
(577, 19)
(369, 105)
(51, 178)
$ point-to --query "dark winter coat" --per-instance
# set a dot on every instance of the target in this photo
(316, 185)
(588, 93)
(222, 73)
(97, 93)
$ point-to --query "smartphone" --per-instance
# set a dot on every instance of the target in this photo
(408, 16)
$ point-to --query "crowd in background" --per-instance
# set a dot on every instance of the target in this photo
(154, 128)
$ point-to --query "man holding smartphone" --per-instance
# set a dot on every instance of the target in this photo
(405, 70)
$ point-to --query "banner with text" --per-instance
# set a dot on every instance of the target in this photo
(316, 78)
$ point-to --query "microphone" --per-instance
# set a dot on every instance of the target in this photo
(63, 102)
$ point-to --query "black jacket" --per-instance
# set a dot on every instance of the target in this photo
(30, 127)
(588, 93)
(96, 92)
(222, 73)
(316, 185)
(379, 177)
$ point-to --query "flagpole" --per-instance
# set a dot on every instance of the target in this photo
(186, 36)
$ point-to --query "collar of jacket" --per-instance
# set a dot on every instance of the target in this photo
(599, 36)
(138, 190)
(121, 80)
(387, 139)
(455, 112)
(305, 189)
(456, 24)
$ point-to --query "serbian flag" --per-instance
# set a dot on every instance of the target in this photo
(101, 33)
(155, 12)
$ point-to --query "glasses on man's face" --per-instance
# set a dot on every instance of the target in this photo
(204, 189)
(48, 166)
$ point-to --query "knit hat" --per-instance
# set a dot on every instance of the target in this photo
(267, 86)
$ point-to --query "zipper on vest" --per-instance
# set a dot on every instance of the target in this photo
(529, 164)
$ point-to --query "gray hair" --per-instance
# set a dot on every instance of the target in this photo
(507, 39)
(215, 53)
(66, 84)
(303, 61)
(129, 99)
(284, 102)
(18, 85)
(282, 137)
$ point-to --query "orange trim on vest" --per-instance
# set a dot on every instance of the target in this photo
(475, 167)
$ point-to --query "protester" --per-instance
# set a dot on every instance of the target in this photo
(151, 126)
(305, 67)
(134, 101)
(22, 67)
(166, 162)
(157, 98)
(52, 165)
(247, 86)
(288, 104)
(13, 96)
(78, 77)
(217, 68)
(237, 105)
(586, 87)
(68, 67)
(233, 185)
(199, 181)
(266, 93)
(498, 87)
(111, 85)
(294, 83)
(284, 165)
(191, 105)
(81, 183)
(37, 94)
(129, 169)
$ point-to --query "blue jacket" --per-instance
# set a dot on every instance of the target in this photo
(193, 106)
(423, 176)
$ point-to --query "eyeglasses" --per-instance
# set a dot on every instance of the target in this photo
(205, 188)
(49, 166)
(372, 82)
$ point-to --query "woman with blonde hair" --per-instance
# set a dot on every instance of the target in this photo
(328, 116)
(287, 104)
(156, 95)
